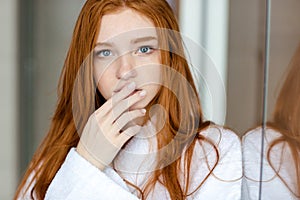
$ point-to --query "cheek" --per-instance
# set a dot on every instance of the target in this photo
(102, 87)
(153, 86)
(106, 85)
(158, 75)
(156, 78)
(104, 76)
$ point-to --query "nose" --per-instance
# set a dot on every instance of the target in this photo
(126, 69)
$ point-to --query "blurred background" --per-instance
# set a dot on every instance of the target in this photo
(35, 35)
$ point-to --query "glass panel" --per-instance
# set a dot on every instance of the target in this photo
(275, 176)
(245, 84)
(281, 158)
(245, 64)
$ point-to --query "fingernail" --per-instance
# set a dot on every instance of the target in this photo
(142, 93)
(131, 86)
(143, 111)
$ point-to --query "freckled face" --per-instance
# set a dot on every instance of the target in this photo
(127, 51)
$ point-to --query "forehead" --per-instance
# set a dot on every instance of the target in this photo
(125, 22)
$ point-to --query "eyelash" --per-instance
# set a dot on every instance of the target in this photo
(139, 50)
(101, 53)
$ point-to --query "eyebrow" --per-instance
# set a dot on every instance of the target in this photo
(105, 44)
(143, 39)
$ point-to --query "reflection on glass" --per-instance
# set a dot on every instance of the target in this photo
(281, 166)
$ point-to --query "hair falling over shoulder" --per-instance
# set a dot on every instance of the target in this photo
(286, 118)
(66, 124)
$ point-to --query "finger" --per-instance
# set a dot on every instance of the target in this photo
(125, 104)
(126, 118)
(127, 134)
(122, 94)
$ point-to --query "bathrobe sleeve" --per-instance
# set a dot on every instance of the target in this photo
(78, 179)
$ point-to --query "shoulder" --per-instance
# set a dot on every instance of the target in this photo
(221, 147)
(275, 155)
(255, 135)
(223, 138)
(252, 144)
(252, 147)
(217, 160)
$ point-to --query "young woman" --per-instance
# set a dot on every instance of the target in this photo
(128, 123)
(281, 163)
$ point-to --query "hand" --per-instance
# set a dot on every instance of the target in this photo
(110, 127)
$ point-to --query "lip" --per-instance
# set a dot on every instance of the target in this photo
(118, 89)
(122, 85)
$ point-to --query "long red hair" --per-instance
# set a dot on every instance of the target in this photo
(181, 125)
(286, 118)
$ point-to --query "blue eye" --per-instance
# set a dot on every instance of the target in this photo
(145, 50)
(104, 53)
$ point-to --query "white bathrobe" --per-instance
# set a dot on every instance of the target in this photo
(78, 179)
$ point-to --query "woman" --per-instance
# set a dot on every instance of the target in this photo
(281, 161)
(128, 123)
